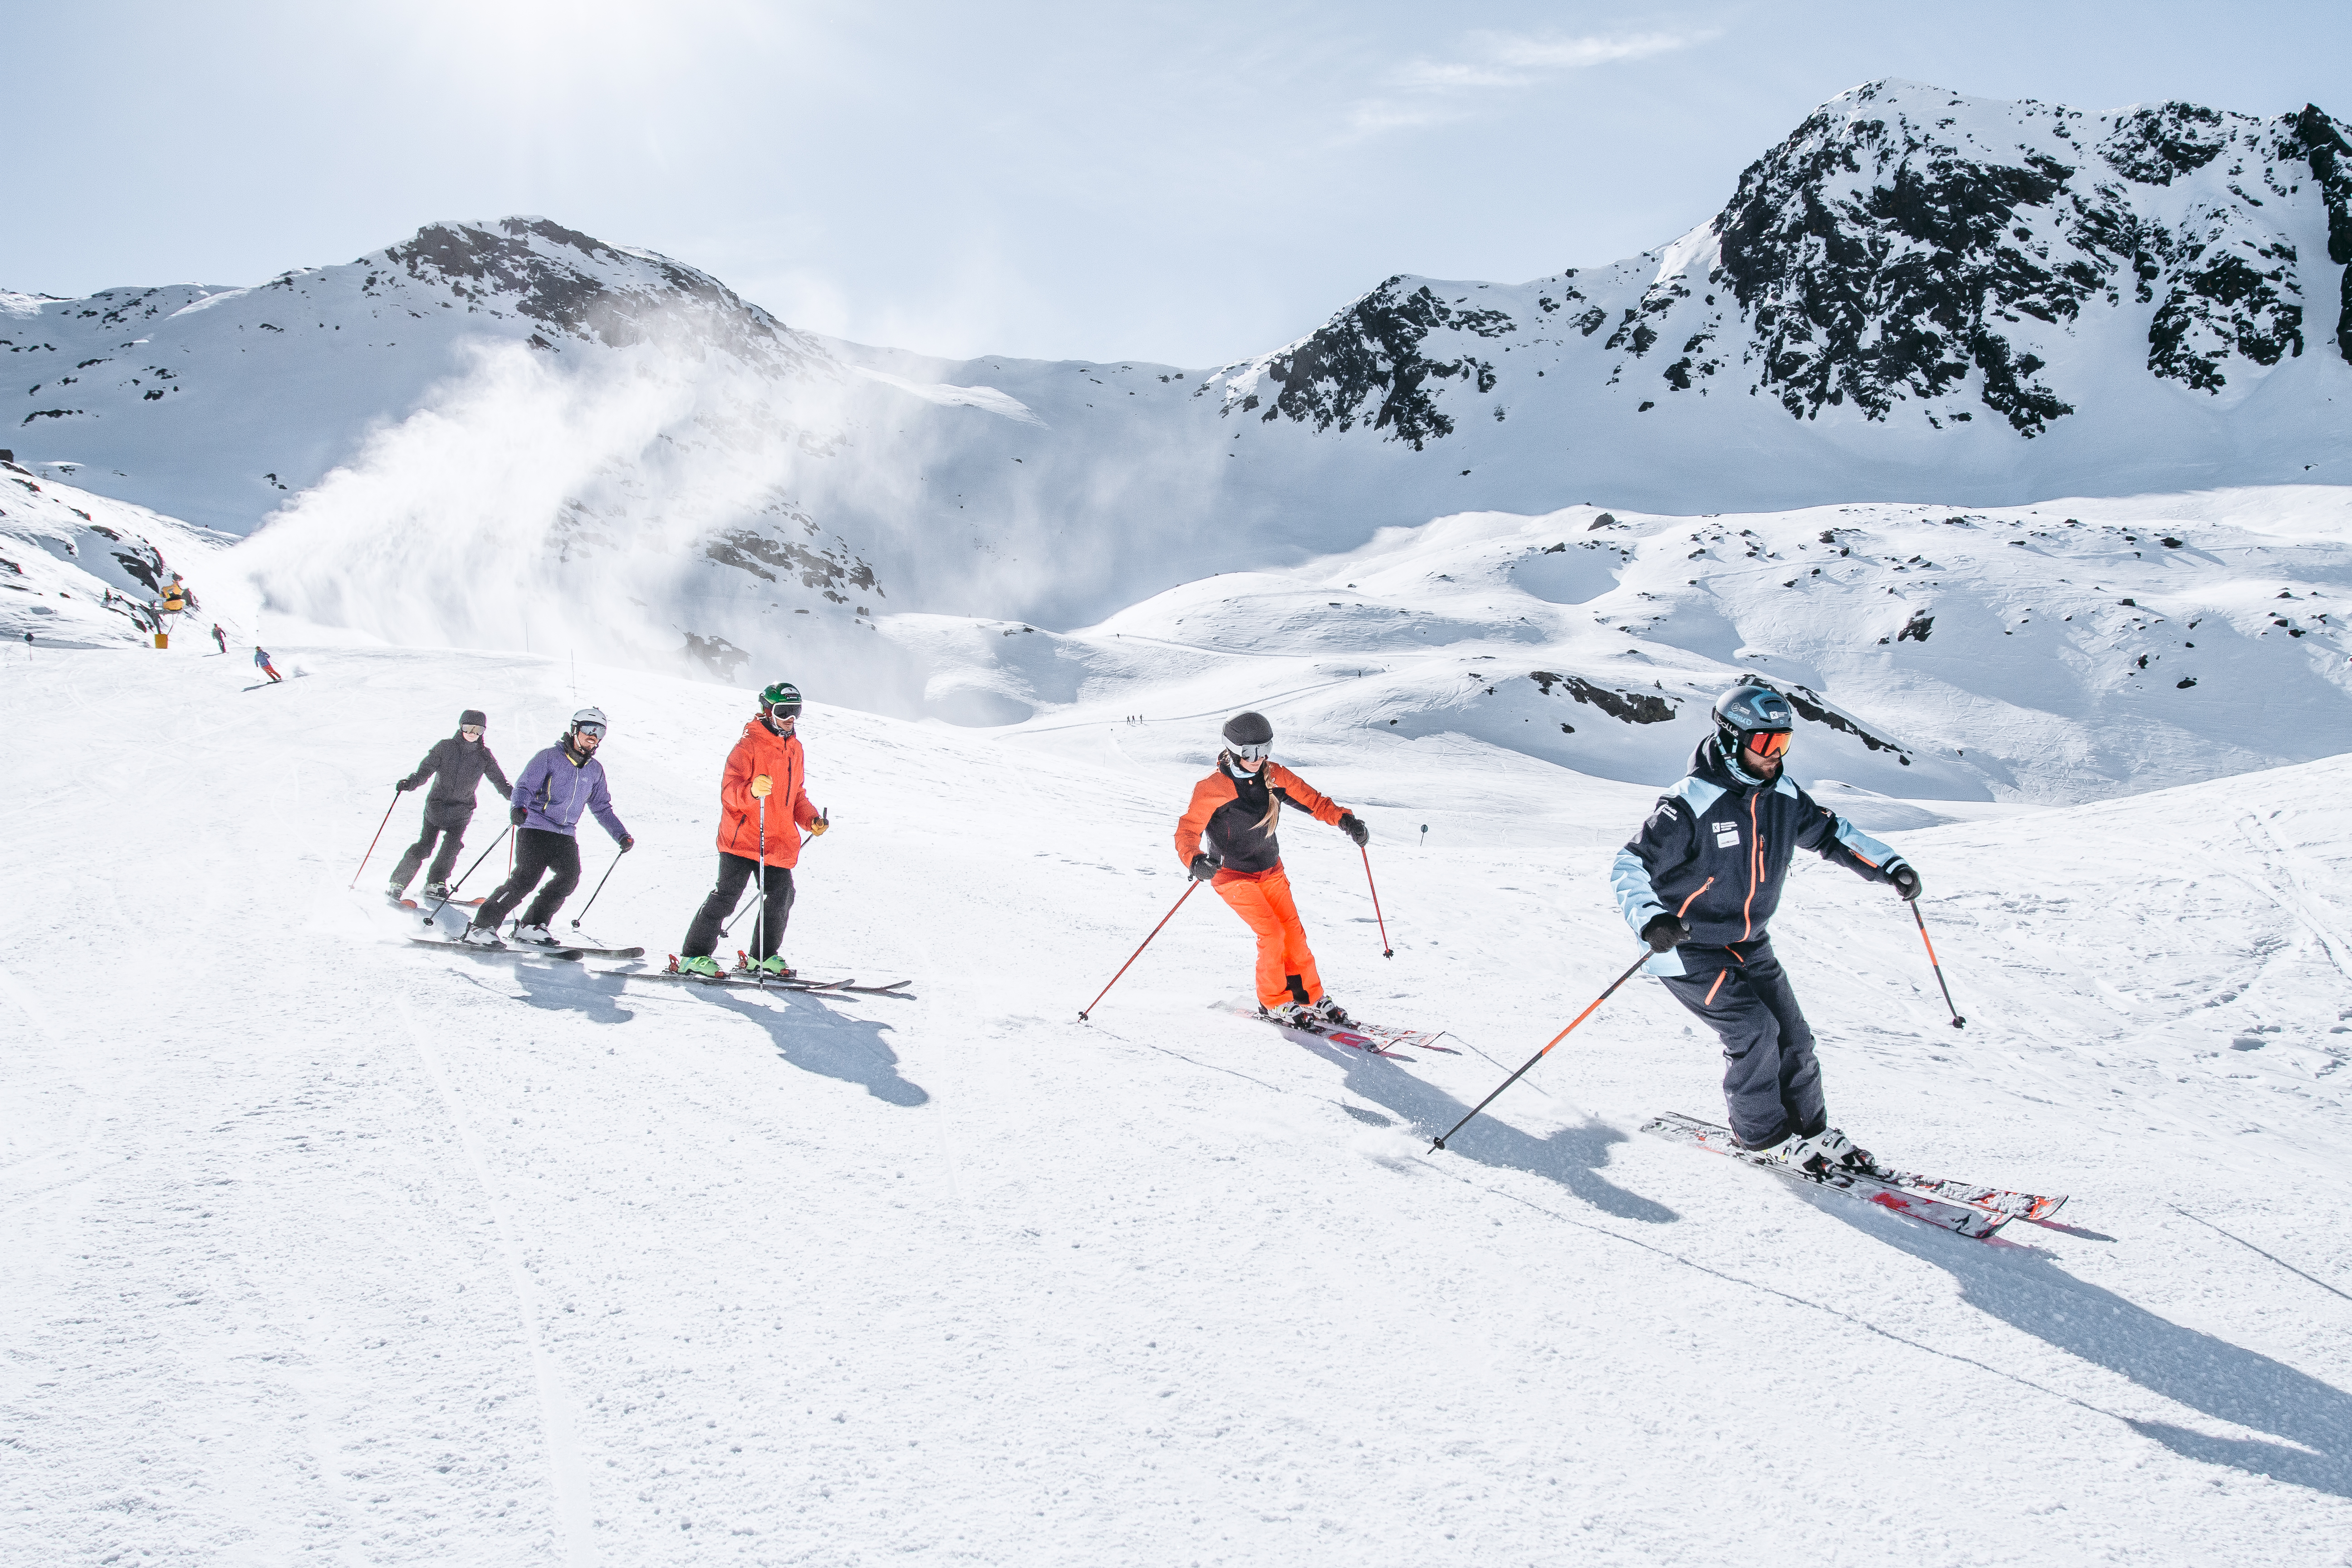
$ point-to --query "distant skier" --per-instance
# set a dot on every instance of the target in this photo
(1237, 807)
(456, 767)
(553, 791)
(766, 764)
(1699, 884)
(220, 636)
(261, 662)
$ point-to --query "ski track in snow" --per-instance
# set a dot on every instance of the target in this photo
(323, 1245)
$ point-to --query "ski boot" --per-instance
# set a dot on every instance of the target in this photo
(1290, 1014)
(436, 890)
(1826, 1151)
(703, 968)
(1329, 1012)
(534, 936)
(481, 936)
(397, 893)
(775, 968)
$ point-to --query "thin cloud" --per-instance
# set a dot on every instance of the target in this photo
(1435, 91)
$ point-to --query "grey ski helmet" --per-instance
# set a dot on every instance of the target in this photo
(1749, 709)
(589, 721)
(1248, 730)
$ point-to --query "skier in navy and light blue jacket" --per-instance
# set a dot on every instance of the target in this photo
(1699, 884)
(553, 790)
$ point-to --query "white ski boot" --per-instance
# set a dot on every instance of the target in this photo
(481, 936)
(534, 936)
(1294, 1015)
(1329, 1012)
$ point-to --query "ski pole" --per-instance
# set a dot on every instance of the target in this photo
(1386, 950)
(1136, 954)
(1958, 1022)
(600, 888)
(379, 834)
(759, 788)
(461, 881)
(1539, 1055)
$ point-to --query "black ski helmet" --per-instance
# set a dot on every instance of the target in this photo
(473, 716)
(1248, 730)
(1748, 709)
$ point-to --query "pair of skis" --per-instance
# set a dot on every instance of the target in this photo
(1961, 1207)
(743, 976)
(1375, 1039)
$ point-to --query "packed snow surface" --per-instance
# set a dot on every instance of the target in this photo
(326, 1244)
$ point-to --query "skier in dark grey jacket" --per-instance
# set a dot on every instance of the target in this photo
(455, 766)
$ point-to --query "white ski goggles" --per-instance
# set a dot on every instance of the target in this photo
(1252, 753)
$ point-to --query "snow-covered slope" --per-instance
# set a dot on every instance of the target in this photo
(80, 570)
(1917, 296)
(2062, 652)
(325, 1245)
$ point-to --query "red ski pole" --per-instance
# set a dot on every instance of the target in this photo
(1136, 954)
(1386, 950)
(379, 834)
(1646, 956)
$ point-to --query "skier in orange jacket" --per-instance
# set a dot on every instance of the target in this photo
(1237, 807)
(766, 765)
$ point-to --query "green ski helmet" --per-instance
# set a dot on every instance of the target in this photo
(780, 700)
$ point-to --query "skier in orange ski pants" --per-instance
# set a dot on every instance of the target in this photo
(1236, 808)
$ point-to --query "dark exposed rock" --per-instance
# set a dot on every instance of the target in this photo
(1630, 707)
(1813, 710)
(1365, 365)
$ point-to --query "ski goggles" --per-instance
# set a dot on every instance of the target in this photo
(473, 729)
(785, 712)
(1251, 753)
(1767, 742)
(594, 731)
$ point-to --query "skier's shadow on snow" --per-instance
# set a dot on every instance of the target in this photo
(814, 1039)
(565, 989)
(1572, 1156)
(2026, 1290)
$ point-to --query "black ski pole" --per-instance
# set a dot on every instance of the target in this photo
(469, 871)
(1958, 1022)
(1136, 953)
(600, 888)
(1539, 1055)
(379, 834)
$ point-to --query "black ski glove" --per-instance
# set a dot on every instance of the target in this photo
(1906, 882)
(627, 844)
(1664, 933)
(1203, 867)
(516, 815)
(1355, 829)
(405, 785)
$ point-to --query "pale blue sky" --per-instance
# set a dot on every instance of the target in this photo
(1191, 183)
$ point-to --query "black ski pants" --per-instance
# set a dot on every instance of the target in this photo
(1771, 1080)
(734, 871)
(536, 853)
(449, 827)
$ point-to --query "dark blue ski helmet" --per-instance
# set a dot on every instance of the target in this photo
(1748, 709)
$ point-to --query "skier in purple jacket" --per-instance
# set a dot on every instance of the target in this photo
(554, 789)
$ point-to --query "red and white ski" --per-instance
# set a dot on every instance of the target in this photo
(1944, 1213)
